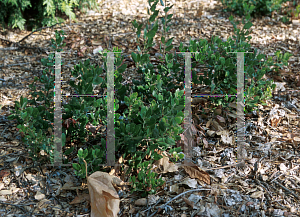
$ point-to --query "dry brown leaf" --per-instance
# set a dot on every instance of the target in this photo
(208, 123)
(80, 198)
(277, 78)
(174, 188)
(132, 210)
(192, 183)
(188, 202)
(218, 112)
(225, 137)
(220, 119)
(205, 143)
(70, 186)
(210, 133)
(167, 167)
(4, 173)
(198, 140)
(257, 194)
(104, 198)
(196, 172)
(216, 126)
(275, 121)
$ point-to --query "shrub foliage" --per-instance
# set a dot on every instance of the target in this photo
(252, 7)
(149, 114)
(36, 13)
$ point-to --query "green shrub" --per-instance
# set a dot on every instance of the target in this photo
(147, 115)
(292, 12)
(221, 73)
(151, 118)
(253, 7)
(17, 13)
(35, 121)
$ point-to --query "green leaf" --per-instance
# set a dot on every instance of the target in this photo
(166, 9)
(153, 6)
(134, 57)
(169, 48)
(29, 110)
(169, 42)
(286, 56)
(85, 153)
(80, 153)
(180, 114)
(138, 57)
(69, 151)
(153, 16)
(23, 102)
(222, 59)
(150, 43)
(139, 49)
(11, 117)
(162, 144)
(122, 68)
(76, 166)
(178, 120)
(156, 156)
(63, 139)
(181, 156)
(248, 25)
(135, 24)
(145, 58)
(162, 126)
(169, 16)
(152, 121)
(151, 34)
(24, 115)
(170, 141)
(155, 133)
(143, 112)
(97, 80)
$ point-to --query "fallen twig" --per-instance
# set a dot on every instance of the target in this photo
(37, 31)
(16, 64)
(288, 190)
(174, 198)
(227, 166)
(20, 206)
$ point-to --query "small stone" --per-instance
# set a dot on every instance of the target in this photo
(141, 202)
(39, 196)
